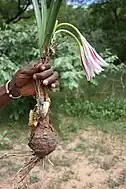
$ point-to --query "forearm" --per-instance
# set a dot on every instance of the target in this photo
(4, 98)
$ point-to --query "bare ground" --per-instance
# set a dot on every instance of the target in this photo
(91, 159)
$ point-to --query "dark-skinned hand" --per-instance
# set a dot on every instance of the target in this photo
(23, 82)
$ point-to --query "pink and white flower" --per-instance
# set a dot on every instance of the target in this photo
(92, 62)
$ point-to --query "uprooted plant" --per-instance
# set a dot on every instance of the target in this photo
(43, 138)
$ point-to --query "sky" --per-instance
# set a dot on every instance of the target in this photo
(80, 2)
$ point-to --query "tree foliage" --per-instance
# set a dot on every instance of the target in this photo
(13, 10)
(13, 40)
(102, 22)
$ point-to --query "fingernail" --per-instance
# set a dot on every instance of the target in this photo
(45, 82)
(43, 68)
(34, 77)
(53, 85)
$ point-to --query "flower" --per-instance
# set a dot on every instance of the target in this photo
(92, 62)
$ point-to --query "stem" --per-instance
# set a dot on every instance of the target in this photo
(70, 25)
(77, 33)
(70, 33)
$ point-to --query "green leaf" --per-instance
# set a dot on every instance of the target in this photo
(39, 22)
(44, 18)
(54, 10)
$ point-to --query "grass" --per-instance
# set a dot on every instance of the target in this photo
(94, 150)
(65, 177)
(121, 181)
(34, 179)
(62, 161)
(72, 125)
(81, 147)
(8, 168)
(66, 126)
(104, 162)
(15, 130)
(113, 127)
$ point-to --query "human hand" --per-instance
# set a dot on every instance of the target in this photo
(23, 81)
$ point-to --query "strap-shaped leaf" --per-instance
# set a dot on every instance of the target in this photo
(54, 10)
(39, 22)
(44, 18)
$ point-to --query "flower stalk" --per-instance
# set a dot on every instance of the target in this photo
(48, 27)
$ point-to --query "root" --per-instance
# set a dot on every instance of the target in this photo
(24, 171)
(16, 153)
(42, 174)
(19, 180)
(50, 162)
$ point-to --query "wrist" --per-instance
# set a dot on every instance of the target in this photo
(12, 90)
(4, 97)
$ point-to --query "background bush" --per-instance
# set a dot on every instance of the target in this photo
(104, 96)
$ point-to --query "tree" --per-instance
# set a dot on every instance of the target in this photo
(13, 10)
(110, 16)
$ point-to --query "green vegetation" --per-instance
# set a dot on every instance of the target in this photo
(102, 101)
(90, 117)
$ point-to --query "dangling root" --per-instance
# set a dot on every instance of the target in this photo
(16, 153)
(42, 174)
(24, 171)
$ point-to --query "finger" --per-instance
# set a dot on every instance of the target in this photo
(45, 66)
(51, 79)
(43, 75)
(31, 69)
(55, 85)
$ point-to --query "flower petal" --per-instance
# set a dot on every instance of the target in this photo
(95, 54)
(84, 64)
(92, 61)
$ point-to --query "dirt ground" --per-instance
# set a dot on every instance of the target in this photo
(89, 160)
